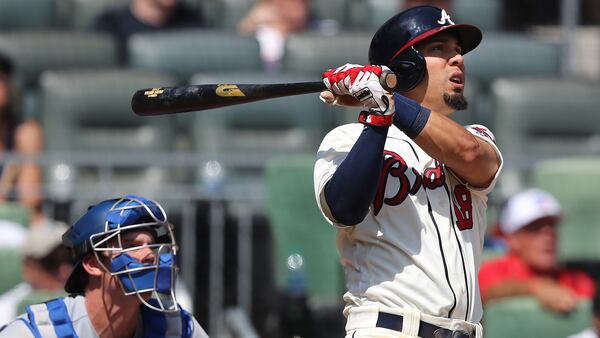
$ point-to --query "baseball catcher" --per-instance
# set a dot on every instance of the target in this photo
(407, 187)
(123, 282)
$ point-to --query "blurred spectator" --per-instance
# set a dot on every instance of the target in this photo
(19, 181)
(272, 21)
(594, 330)
(528, 223)
(46, 264)
(146, 16)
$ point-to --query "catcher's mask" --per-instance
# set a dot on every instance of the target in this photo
(393, 43)
(108, 230)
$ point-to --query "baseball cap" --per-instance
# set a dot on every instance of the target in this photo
(41, 241)
(526, 207)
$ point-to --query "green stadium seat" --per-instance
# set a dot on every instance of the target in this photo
(87, 120)
(523, 317)
(543, 118)
(38, 296)
(485, 14)
(185, 52)
(15, 212)
(232, 12)
(27, 14)
(336, 10)
(378, 12)
(300, 229)
(82, 13)
(35, 52)
(10, 270)
(510, 55)
(313, 53)
(575, 182)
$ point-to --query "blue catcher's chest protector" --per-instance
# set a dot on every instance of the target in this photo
(53, 318)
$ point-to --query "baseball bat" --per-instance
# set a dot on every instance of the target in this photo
(181, 99)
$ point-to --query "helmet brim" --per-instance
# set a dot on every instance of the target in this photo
(469, 36)
(76, 282)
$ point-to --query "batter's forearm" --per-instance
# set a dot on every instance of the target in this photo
(352, 188)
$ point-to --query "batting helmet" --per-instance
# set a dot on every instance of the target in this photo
(392, 44)
(100, 230)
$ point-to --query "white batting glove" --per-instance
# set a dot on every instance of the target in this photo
(338, 80)
(367, 89)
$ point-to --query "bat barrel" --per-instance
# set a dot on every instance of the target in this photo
(170, 100)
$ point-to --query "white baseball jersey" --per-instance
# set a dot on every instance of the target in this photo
(420, 244)
(81, 324)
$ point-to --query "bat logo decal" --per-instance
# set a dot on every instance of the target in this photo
(228, 90)
(154, 92)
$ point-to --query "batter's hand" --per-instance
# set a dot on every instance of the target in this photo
(337, 82)
(366, 87)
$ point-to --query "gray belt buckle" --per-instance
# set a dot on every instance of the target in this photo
(445, 333)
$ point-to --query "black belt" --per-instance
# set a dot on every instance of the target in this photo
(426, 330)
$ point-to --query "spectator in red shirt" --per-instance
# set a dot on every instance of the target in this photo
(528, 223)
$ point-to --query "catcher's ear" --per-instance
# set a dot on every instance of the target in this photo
(91, 266)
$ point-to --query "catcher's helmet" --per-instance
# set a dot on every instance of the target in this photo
(101, 230)
(392, 44)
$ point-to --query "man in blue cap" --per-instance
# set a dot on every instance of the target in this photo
(123, 281)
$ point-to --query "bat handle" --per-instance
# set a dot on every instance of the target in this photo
(388, 80)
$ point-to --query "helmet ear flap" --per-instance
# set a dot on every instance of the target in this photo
(410, 68)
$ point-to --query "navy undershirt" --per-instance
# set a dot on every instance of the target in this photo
(352, 187)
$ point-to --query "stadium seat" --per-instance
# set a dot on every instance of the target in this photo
(510, 55)
(336, 10)
(299, 230)
(313, 53)
(89, 128)
(82, 13)
(232, 13)
(186, 52)
(543, 118)
(15, 212)
(27, 14)
(38, 296)
(35, 52)
(575, 181)
(524, 318)
(377, 12)
(10, 270)
(485, 14)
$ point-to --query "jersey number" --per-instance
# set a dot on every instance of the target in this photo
(463, 207)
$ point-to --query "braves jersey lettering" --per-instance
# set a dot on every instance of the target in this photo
(395, 166)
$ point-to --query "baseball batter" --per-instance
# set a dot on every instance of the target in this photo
(407, 187)
(123, 282)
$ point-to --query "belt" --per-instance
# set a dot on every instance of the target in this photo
(394, 322)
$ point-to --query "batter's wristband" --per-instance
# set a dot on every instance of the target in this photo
(410, 116)
(376, 120)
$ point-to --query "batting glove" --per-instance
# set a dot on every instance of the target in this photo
(366, 88)
(337, 82)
